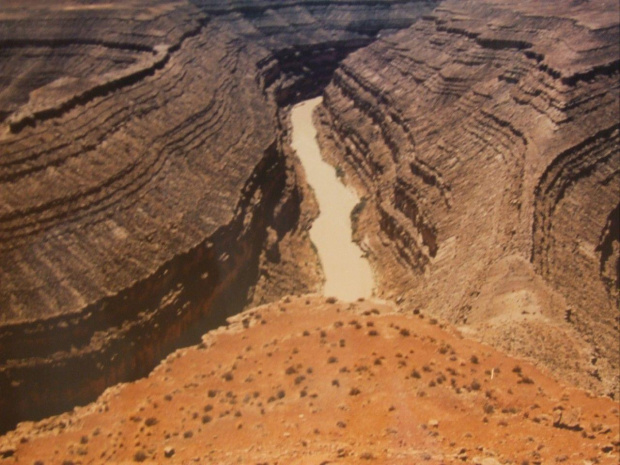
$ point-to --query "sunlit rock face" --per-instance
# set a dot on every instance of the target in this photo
(485, 137)
(142, 173)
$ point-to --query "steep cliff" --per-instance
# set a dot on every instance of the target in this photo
(307, 39)
(485, 139)
(145, 188)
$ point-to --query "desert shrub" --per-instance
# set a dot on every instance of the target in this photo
(488, 409)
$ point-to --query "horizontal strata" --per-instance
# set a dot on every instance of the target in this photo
(141, 169)
(485, 137)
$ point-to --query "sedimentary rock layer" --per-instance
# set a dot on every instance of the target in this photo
(132, 202)
(307, 39)
(142, 174)
(485, 137)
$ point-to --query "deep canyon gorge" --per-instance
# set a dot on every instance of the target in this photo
(150, 192)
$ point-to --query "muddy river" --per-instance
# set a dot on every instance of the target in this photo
(348, 275)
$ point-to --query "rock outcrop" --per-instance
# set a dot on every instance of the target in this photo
(485, 139)
(144, 181)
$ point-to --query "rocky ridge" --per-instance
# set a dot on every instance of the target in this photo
(485, 140)
(311, 380)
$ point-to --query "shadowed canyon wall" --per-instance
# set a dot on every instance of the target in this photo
(144, 176)
(485, 138)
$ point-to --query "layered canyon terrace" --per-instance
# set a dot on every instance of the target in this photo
(155, 222)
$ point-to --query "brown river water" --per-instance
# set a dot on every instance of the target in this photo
(348, 275)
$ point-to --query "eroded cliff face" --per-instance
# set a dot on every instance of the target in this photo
(308, 39)
(485, 138)
(145, 186)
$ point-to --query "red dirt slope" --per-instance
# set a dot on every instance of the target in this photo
(306, 381)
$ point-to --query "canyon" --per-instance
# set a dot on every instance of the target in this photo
(145, 180)
(149, 192)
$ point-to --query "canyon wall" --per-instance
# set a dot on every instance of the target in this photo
(485, 140)
(145, 186)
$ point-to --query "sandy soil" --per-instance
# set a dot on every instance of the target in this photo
(347, 274)
(308, 381)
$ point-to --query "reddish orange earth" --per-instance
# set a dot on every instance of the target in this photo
(306, 381)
